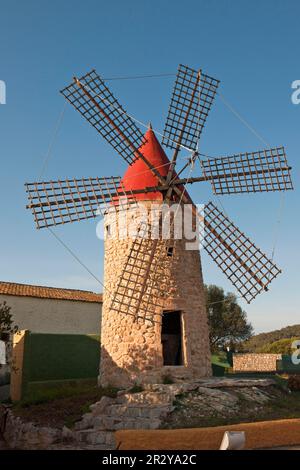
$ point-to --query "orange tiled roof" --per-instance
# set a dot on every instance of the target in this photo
(43, 292)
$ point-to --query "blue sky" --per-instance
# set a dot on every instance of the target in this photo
(251, 46)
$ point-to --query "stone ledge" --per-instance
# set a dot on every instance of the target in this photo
(25, 435)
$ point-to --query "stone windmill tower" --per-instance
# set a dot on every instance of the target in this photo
(154, 321)
(177, 343)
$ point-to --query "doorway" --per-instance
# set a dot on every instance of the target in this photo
(171, 338)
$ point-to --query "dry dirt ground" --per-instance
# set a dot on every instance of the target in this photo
(62, 411)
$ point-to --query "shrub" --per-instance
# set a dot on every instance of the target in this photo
(167, 380)
(294, 383)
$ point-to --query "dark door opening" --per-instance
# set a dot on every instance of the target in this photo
(171, 338)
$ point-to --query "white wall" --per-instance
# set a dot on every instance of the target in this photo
(54, 316)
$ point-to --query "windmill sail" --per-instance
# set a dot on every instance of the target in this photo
(245, 265)
(141, 286)
(264, 170)
(191, 101)
(71, 200)
(93, 99)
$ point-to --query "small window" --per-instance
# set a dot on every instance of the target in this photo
(108, 231)
(170, 250)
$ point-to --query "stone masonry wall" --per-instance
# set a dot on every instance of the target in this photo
(132, 350)
(251, 362)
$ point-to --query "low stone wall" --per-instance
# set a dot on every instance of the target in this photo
(20, 435)
(250, 362)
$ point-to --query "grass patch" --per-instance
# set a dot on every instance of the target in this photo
(289, 404)
(281, 381)
(45, 395)
(220, 360)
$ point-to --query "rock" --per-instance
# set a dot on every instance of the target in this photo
(67, 434)
(233, 383)
(219, 395)
(101, 405)
(92, 437)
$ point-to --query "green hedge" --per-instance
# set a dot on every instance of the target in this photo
(55, 357)
(286, 365)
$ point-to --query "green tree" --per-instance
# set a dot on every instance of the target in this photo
(227, 320)
(7, 326)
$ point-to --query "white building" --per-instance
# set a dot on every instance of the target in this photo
(52, 310)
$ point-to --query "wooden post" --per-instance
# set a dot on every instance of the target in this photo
(18, 354)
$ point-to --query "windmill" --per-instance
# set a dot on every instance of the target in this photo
(153, 316)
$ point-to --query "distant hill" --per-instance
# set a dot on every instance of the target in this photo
(262, 340)
(282, 346)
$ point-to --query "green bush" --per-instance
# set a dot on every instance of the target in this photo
(294, 383)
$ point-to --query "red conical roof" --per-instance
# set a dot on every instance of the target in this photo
(139, 176)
